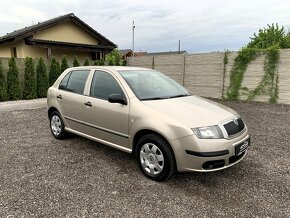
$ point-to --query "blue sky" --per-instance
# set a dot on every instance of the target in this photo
(201, 25)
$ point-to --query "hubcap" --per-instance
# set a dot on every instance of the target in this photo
(55, 124)
(152, 160)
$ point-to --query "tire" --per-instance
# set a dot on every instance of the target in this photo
(57, 126)
(155, 157)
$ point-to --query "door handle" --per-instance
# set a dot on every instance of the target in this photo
(59, 97)
(88, 104)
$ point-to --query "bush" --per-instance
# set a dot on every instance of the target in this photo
(29, 89)
(97, 63)
(111, 63)
(87, 62)
(54, 71)
(2, 85)
(41, 79)
(64, 64)
(114, 57)
(272, 35)
(13, 84)
(76, 63)
(102, 62)
(124, 63)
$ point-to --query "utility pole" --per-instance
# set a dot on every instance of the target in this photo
(133, 28)
(178, 46)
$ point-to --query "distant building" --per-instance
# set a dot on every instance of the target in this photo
(65, 35)
(126, 53)
(140, 53)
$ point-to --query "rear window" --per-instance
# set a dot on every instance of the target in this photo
(75, 81)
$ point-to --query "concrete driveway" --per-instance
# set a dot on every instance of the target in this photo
(44, 177)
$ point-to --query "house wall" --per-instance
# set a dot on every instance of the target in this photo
(5, 51)
(24, 51)
(81, 55)
(66, 32)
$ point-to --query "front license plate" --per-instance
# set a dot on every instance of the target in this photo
(242, 147)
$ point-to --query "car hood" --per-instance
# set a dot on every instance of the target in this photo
(193, 111)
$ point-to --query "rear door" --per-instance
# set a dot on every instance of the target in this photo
(106, 121)
(70, 98)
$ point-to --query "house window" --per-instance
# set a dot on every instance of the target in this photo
(48, 52)
(14, 52)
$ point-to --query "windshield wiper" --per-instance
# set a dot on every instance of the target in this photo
(154, 98)
(178, 96)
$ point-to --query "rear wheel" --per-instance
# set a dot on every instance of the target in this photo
(57, 125)
(155, 158)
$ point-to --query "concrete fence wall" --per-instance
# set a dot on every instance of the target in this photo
(207, 75)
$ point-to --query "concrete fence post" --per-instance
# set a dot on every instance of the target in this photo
(222, 77)
(183, 70)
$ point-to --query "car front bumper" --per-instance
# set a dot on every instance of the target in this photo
(206, 155)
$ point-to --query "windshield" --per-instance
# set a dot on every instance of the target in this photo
(153, 85)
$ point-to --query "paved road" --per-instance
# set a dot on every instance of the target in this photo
(43, 177)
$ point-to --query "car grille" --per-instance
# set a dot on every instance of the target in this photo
(233, 129)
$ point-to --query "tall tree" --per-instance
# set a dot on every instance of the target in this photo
(64, 63)
(41, 79)
(87, 62)
(54, 71)
(29, 89)
(13, 83)
(2, 84)
(76, 63)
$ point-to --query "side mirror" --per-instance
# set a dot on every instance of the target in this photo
(117, 98)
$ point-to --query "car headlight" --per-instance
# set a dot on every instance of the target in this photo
(208, 132)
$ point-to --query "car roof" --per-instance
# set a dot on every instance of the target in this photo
(116, 68)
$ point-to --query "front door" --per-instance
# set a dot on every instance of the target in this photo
(106, 121)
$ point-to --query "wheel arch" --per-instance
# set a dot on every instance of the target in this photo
(50, 110)
(144, 132)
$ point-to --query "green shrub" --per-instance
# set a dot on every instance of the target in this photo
(96, 63)
(87, 62)
(64, 63)
(102, 62)
(13, 84)
(54, 71)
(114, 57)
(124, 63)
(270, 36)
(2, 85)
(111, 63)
(41, 79)
(76, 63)
(29, 89)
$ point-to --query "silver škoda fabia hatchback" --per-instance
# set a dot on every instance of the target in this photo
(142, 111)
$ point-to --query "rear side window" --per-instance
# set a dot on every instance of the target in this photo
(104, 85)
(75, 81)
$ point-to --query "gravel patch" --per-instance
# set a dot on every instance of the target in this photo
(76, 177)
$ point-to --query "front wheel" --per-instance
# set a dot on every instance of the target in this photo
(155, 158)
(57, 125)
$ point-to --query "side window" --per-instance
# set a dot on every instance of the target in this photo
(64, 81)
(103, 85)
(75, 81)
